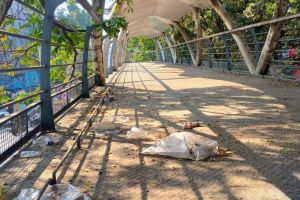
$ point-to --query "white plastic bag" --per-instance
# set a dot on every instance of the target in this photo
(184, 145)
(62, 192)
(43, 141)
(136, 133)
(27, 194)
(29, 154)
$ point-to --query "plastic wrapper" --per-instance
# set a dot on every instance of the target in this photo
(27, 194)
(43, 141)
(29, 154)
(64, 192)
(136, 133)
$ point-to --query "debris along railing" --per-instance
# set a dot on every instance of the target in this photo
(220, 51)
(47, 99)
(84, 130)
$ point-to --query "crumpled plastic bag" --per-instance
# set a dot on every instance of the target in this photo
(29, 154)
(55, 192)
(43, 141)
(64, 192)
(27, 194)
(184, 145)
(136, 133)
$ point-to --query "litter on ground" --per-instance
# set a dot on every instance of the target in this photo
(43, 141)
(59, 191)
(29, 154)
(136, 133)
(191, 125)
(184, 145)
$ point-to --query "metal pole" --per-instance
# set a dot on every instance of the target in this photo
(85, 83)
(253, 33)
(209, 52)
(225, 37)
(47, 118)
(112, 56)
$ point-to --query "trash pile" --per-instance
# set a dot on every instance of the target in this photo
(59, 191)
(184, 145)
(38, 142)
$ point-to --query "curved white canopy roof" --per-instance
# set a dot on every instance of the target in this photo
(152, 17)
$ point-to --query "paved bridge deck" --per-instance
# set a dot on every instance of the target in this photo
(259, 120)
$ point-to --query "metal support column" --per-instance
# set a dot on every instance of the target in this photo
(85, 83)
(225, 39)
(113, 46)
(162, 51)
(170, 47)
(47, 118)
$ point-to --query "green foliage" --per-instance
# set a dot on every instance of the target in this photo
(139, 48)
(3, 96)
(31, 100)
(113, 26)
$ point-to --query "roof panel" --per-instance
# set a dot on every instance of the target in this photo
(157, 14)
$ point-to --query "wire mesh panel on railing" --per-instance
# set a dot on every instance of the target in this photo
(91, 82)
(74, 92)
(15, 128)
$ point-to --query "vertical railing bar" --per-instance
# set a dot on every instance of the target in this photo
(225, 39)
(256, 48)
(85, 84)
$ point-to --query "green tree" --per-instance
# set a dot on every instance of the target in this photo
(3, 96)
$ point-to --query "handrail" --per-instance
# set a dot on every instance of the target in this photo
(68, 64)
(21, 36)
(20, 100)
(63, 84)
(4, 70)
(30, 7)
(5, 119)
(255, 25)
(65, 90)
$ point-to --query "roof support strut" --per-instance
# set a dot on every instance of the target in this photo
(162, 51)
(173, 53)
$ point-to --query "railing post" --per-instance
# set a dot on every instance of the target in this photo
(225, 37)
(111, 57)
(47, 118)
(253, 33)
(85, 83)
(209, 52)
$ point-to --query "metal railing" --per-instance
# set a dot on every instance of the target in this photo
(220, 51)
(18, 127)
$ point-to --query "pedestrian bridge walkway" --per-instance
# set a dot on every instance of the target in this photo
(257, 119)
